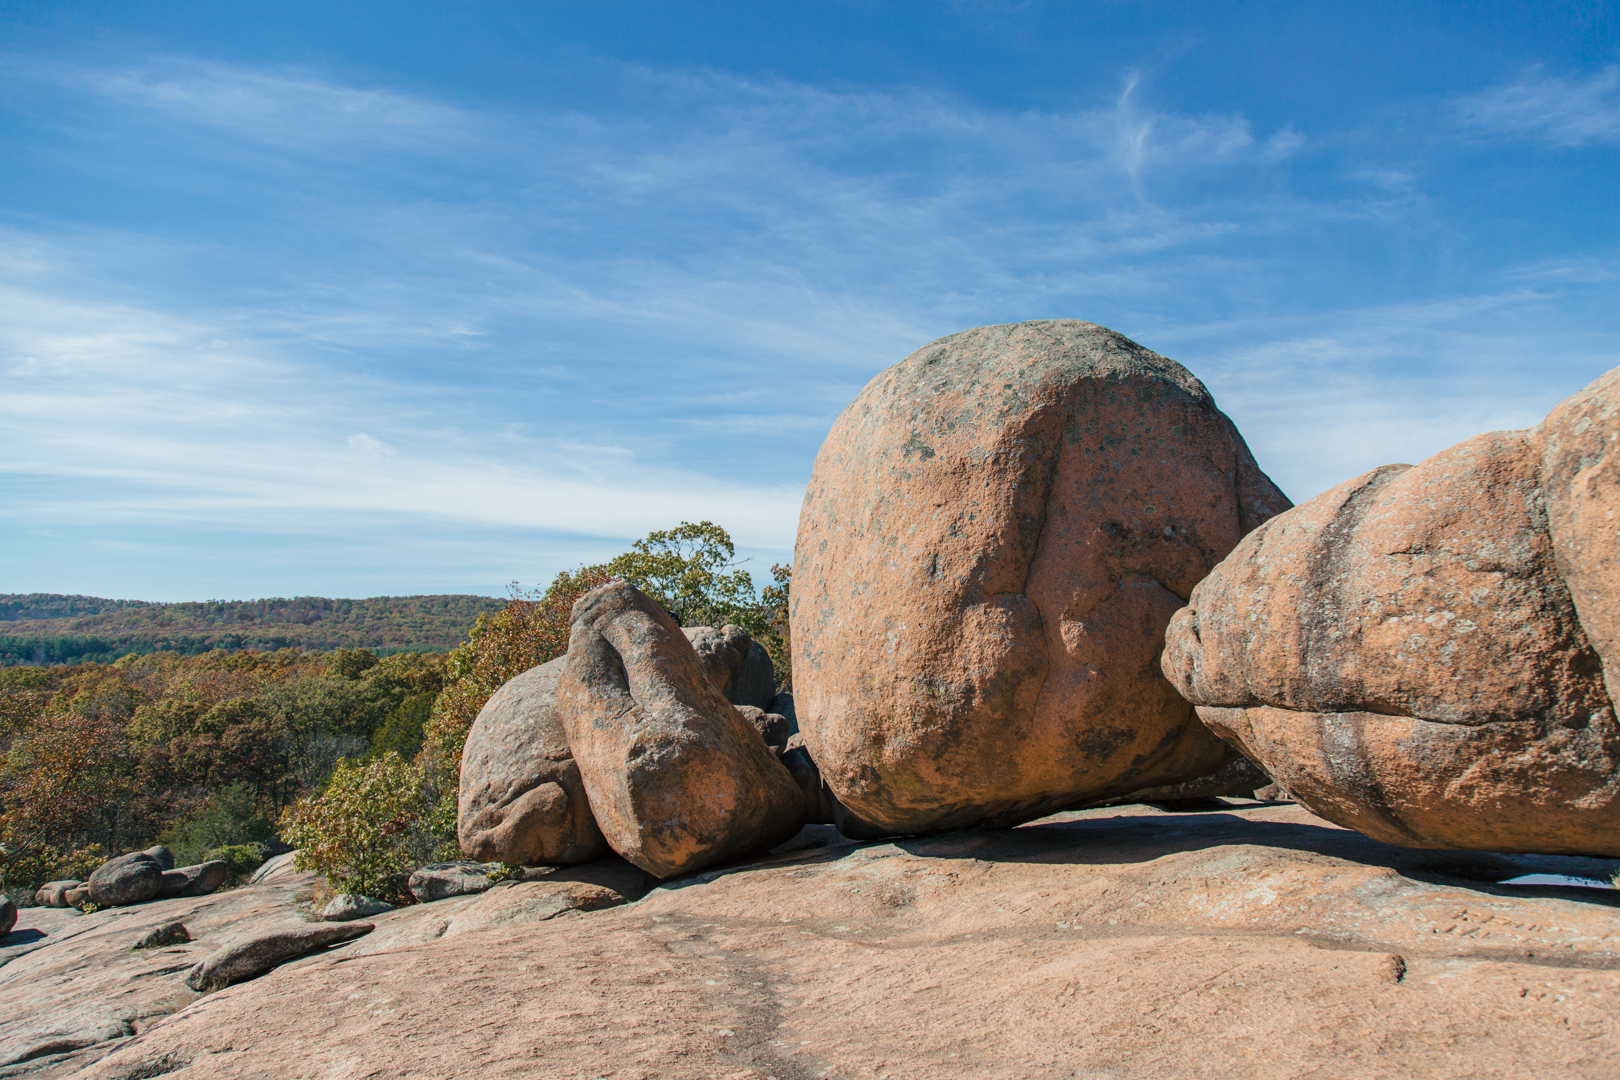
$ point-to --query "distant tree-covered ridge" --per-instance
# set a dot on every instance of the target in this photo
(48, 628)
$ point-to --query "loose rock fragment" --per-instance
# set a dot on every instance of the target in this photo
(162, 937)
(260, 954)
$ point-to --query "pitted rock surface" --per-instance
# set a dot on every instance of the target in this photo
(1403, 652)
(995, 533)
(677, 778)
(521, 799)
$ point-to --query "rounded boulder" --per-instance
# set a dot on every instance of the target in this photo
(128, 879)
(521, 799)
(994, 536)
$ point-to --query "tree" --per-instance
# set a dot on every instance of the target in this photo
(692, 570)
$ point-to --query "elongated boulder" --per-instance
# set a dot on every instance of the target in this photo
(1405, 655)
(995, 533)
(521, 800)
(676, 777)
(259, 954)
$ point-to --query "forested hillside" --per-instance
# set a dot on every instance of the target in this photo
(47, 628)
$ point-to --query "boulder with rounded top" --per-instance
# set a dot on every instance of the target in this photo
(994, 535)
(521, 800)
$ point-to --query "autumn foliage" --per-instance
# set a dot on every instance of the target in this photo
(353, 757)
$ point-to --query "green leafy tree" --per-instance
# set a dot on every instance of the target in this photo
(694, 572)
(362, 832)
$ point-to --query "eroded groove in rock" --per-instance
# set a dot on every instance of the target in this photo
(1418, 667)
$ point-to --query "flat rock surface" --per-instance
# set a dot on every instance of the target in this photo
(1257, 941)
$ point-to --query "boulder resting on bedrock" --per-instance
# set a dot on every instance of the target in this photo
(677, 779)
(1429, 653)
(738, 665)
(521, 800)
(994, 536)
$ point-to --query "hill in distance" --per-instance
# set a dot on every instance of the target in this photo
(49, 628)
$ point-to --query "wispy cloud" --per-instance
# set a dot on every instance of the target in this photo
(378, 307)
(1565, 110)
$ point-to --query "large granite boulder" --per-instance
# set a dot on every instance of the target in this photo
(129, 879)
(995, 533)
(521, 799)
(677, 778)
(1405, 653)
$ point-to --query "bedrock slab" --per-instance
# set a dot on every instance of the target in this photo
(1257, 941)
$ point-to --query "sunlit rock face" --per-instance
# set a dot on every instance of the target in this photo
(994, 536)
(1427, 653)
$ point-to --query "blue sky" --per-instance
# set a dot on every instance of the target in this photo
(361, 299)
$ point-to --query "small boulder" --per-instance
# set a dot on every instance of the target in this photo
(521, 799)
(782, 705)
(677, 778)
(8, 915)
(54, 893)
(164, 857)
(77, 897)
(438, 881)
(772, 727)
(818, 801)
(346, 907)
(259, 954)
(162, 937)
(269, 849)
(199, 880)
(737, 665)
(1239, 778)
(129, 879)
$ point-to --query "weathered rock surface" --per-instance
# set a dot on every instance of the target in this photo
(677, 779)
(259, 954)
(54, 893)
(275, 869)
(171, 933)
(737, 665)
(521, 799)
(72, 980)
(1403, 653)
(346, 907)
(437, 881)
(128, 879)
(1258, 942)
(198, 880)
(995, 533)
